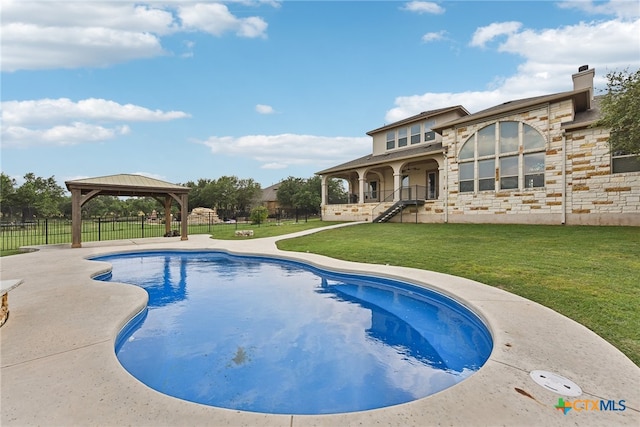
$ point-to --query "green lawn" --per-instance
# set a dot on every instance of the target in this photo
(590, 274)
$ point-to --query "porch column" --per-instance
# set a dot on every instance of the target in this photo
(397, 182)
(361, 182)
(323, 190)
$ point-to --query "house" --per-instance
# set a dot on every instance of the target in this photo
(269, 199)
(536, 160)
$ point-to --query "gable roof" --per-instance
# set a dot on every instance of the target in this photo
(420, 116)
(269, 194)
(581, 100)
(371, 160)
(126, 184)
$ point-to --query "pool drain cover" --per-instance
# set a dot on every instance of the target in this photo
(556, 383)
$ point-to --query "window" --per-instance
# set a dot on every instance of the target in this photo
(415, 134)
(487, 141)
(508, 154)
(429, 135)
(486, 177)
(509, 141)
(391, 140)
(402, 137)
(624, 162)
(432, 185)
(509, 172)
(534, 170)
(466, 177)
(373, 190)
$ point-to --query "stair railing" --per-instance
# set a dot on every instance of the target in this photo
(413, 192)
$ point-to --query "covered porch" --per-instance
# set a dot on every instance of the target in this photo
(403, 186)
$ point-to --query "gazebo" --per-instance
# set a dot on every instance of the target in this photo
(83, 190)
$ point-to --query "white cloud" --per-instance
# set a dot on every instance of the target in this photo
(284, 150)
(550, 56)
(430, 37)
(626, 9)
(485, 34)
(43, 111)
(264, 109)
(64, 122)
(423, 7)
(274, 165)
(72, 134)
(49, 35)
(216, 19)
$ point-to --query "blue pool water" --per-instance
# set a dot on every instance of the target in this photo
(274, 336)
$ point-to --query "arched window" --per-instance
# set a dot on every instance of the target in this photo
(509, 155)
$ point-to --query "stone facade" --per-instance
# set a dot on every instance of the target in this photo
(579, 185)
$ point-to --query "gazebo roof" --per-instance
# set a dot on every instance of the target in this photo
(126, 185)
(83, 190)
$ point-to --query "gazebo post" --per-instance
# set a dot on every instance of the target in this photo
(184, 229)
(167, 215)
(76, 218)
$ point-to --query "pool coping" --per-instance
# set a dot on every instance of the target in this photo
(58, 365)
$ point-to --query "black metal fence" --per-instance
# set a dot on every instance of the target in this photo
(50, 231)
(14, 235)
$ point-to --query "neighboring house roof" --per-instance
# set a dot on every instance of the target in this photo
(581, 99)
(420, 116)
(371, 160)
(126, 184)
(269, 194)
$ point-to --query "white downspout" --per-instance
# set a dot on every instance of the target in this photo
(323, 191)
(564, 178)
(446, 188)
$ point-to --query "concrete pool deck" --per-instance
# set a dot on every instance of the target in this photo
(58, 365)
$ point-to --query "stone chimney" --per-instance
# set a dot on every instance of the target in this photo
(583, 79)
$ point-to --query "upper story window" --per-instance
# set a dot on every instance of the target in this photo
(429, 135)
(415, 134)
(410, 135)
(391, 140)
(502, 156)
(402, 137)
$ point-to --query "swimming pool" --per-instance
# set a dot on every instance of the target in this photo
(277, 336)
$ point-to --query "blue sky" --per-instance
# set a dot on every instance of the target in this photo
(183, 90)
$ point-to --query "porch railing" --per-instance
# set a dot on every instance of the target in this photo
(408, 193)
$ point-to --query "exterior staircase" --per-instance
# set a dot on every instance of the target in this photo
(396, 208)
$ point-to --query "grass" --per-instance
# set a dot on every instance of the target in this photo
(589, 274)
(60, 232)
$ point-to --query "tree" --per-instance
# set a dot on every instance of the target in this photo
(248, 193)
(336, 191)
(7, 194)
(309, 197)
(222, 195)
(259, 215)
(287, 191)
(196, 195)
(39, 197)
(621, 111)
